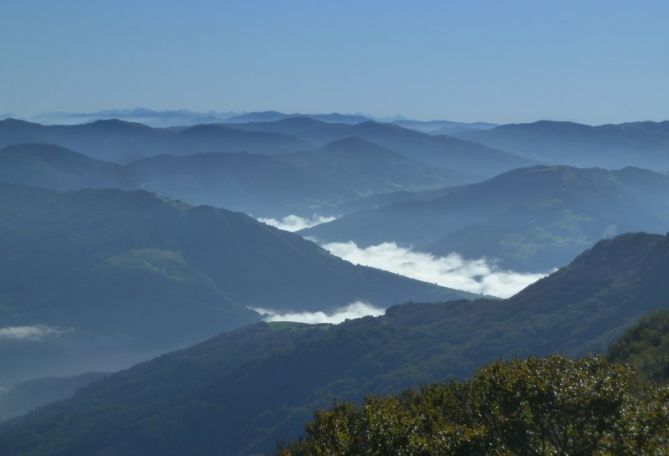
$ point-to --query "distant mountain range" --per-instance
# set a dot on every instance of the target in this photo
(58, 168)
(270, 116)
(240, 392)
(644, 144)
(120, 241)
(100, 278)
(527, 219)
(443, 127)
(374, 187)
(359, 164)
(179, 117)
(465, 157)
(252, 183)
(151, 117)
(184, 117)
(482, 151)
(122, 142)
(265, 186)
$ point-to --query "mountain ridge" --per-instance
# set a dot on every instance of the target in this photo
(567, 211)
(217, 395)
(368, 168)
(122, 141)
(266, 186)
(471, 159)
(643, 144)
(107, 274)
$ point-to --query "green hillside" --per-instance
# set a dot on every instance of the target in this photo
(645, 347)
(130, 275)
(241, 392)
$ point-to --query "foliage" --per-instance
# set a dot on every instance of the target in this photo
(645, 347)
(538, 406)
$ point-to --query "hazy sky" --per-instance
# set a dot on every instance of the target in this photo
(592, 61)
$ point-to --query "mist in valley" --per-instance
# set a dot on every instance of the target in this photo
(296, 228)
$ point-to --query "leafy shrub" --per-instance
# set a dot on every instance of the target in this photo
(538, 406)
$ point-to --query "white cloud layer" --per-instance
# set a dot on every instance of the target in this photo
(37, 332)
(349, 312)
(295, 222)
(453, 271)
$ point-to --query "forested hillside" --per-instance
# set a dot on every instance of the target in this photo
(244, 390)
(132, 274)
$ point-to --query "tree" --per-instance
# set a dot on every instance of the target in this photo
(538, 406)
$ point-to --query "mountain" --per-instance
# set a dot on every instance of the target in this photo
(119, 141)
(240, 392)
(57, 168)
(442, 127)
(643, 144)
(529, 219)
(446, 151)
(314, 131)
(109, 140)
(260, 116)
(153, 118)
(31, 394)
(252, 183)
(385, 199)
(208, 138)
(98, 278)
(304, 184)
(178, 117)
(366, 168)
(271, 116)
(462, 156)
(256, 184)
(122, 142)
(336, 117)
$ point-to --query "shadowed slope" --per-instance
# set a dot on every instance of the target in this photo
(240, 392)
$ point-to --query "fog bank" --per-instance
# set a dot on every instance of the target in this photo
(453, 271)
(34, 333)
(351, 311)
(295, 222)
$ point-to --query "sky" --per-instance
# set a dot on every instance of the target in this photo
(592, 61)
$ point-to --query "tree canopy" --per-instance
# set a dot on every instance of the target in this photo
(538, 406)
(645, 347)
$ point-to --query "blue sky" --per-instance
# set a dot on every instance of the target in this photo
(500, 61)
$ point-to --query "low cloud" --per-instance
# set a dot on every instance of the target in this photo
(350, 312)
(295, 222)
(453, 271)
(30, 333)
